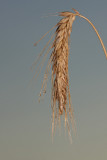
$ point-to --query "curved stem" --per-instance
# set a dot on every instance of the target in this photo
(95, 31)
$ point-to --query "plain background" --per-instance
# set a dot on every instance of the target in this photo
(25, 124)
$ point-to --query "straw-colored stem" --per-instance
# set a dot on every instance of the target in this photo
(96, 33)
(78, 14)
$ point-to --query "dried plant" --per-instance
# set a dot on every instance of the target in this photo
(60, 96)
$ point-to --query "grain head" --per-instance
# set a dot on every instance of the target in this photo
(58, 63)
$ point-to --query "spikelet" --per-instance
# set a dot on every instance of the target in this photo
(60, 54)
(60, 94)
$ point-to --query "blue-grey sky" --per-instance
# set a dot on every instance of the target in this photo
(25, 124)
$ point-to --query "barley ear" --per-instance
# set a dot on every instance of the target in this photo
(58, 62)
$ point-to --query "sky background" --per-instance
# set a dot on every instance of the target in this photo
(25, 124)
